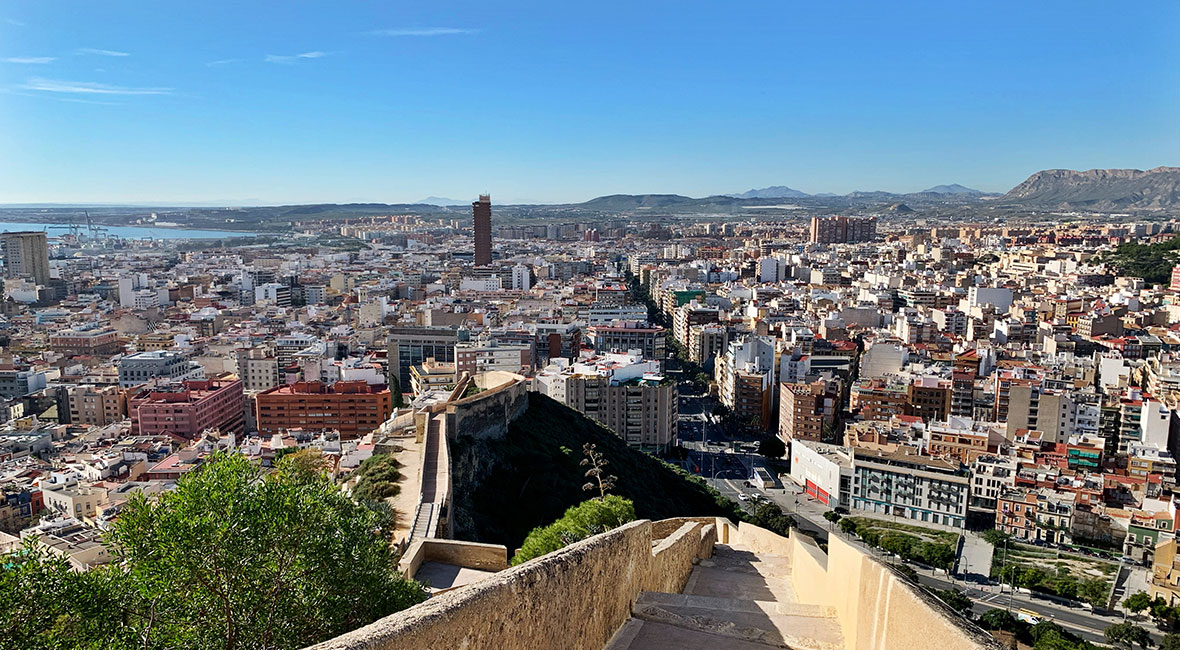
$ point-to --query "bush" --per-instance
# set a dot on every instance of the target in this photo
(377, 478)
(584, 520)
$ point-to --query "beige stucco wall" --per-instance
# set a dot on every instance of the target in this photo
(877, 610)
(473, 555)
(574, 599)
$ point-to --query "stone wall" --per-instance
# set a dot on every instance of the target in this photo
(488, 414)
(574, 599)
(473, 555)
(877, 610)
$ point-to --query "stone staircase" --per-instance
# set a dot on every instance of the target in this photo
(735, 600)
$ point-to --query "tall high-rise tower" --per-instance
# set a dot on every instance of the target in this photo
(26, 255)
(481, 214)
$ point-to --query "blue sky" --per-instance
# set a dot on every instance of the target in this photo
(385, 101)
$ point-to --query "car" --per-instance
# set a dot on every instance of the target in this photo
(743, 497)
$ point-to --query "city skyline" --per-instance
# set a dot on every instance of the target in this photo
(355, 103)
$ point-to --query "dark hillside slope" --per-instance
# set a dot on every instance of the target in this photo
(502, 489)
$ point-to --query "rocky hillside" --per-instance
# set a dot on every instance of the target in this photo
(503, 488)
(1101, 189)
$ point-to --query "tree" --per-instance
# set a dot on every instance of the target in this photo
(772, 447)
(1128, 635)
(586, 519)
(1095, 592)
(1170, 642)
(956, 600)
(1138, 602)
(604, 482)
(848, 526)
(232, 559)
(395, 389)
(995, 537)
(937, 555)
(1000, 619)
(771, 517)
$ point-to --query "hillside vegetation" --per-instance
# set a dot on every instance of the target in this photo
(505, 488)
(1152, 262)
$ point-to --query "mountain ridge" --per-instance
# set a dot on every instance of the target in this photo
(1100, 189)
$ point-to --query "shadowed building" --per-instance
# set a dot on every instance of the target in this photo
(481, 213)
(26, 255)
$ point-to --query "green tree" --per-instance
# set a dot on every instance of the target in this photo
(1170, 642)
(239, 559)
(772, 447)
(995, 537)
(937, 555)
(1095, 592)
(771, 517)
(956, 600)
(584, 520)
(1138, 602)
(395, 389)
(848, 526)
(899, 544)
(1128, 635)
(232, 559)
(1001, 619)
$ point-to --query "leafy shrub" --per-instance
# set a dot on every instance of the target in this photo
(584, 520)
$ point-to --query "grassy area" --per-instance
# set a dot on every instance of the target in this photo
(925, 534)
(1048, 571)
(505, 488)
(931, 547)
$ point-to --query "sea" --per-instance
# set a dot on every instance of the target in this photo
(127, 232)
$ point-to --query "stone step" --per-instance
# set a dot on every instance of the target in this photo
(791, 625)
(661, 599)
(648, 635)
(742, 585)
(735, 559)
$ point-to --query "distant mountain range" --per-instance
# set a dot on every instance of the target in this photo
(784, 192)
(772, 192)
(953, 188)
(441, 201)
(1100, 189)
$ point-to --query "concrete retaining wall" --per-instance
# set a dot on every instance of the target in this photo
(473, 555)
(877, 610)
(573, 599)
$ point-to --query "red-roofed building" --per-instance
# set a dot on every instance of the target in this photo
(186, 409)
(354, 408)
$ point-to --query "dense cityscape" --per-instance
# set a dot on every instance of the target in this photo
(993, 406)
(344, 325)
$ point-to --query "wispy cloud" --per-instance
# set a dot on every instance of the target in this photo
(88, 88)
(30, 59)
(72, 100)
(424, 31)
(213, 64)
(291, 58)
(98, 52)
(13, 21)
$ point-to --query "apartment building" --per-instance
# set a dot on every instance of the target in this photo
(910, 486)
(354, 408)
(185, 409)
